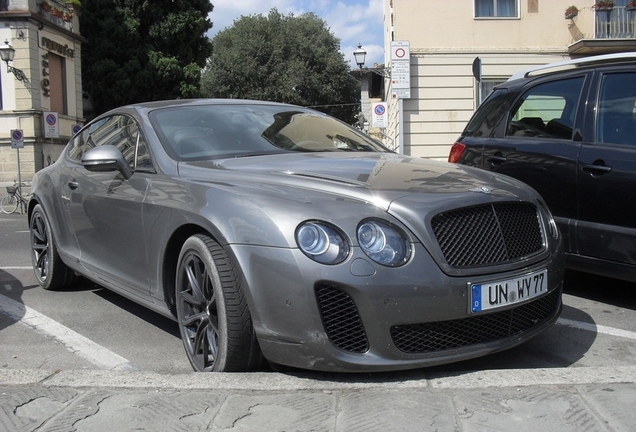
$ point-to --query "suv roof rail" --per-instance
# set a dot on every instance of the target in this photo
(573, 64)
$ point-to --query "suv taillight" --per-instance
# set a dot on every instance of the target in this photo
(456, 152)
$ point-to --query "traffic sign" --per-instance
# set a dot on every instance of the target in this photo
(51, 125)
(17, 138)
(379, 118)
(401, 69)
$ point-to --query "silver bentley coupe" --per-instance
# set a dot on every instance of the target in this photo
(275, 233)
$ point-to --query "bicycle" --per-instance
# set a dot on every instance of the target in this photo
(13, 200)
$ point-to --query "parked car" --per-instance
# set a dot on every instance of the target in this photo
(270, 231)
(569, 131)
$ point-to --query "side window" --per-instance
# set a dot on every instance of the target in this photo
(82, 141)
(616, 122)
(123, 133)
(547, 110)
(76, 148)
(142, 158)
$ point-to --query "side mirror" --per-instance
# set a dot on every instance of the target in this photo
(106, 158)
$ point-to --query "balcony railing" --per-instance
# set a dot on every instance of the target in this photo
(56, 13)
(615, 23)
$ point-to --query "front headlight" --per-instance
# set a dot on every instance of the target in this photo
(553, 229)
(322, 242)
(383, 243)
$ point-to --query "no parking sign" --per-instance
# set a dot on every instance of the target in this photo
(17, 139)
(379, 118)
(51, 125)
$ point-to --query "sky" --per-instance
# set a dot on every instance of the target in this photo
(352, 21)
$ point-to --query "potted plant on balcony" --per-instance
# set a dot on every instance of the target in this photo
(45, 6)
(604, 5)
(631, 6)
(572, 11)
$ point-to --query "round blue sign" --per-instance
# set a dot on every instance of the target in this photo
(379, 109)
(51, 120)
(17, 135)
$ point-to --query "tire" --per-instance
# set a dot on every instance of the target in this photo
(49, 269)
(214, 320)
(9, 204)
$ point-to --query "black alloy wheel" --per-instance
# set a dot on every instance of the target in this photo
(214, 320)
(49, 268)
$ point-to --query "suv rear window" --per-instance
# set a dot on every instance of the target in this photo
(488, 115)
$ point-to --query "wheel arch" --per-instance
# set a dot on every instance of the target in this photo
(171, 258)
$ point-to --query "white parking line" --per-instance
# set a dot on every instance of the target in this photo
(597, 328)
(73, 341)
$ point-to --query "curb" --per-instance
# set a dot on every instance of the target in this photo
(273, 381)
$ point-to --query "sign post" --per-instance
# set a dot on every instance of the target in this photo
(477, 75)
(17, 142)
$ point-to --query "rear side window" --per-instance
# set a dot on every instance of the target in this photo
(547, 110)
(616, 122)
(487, 116)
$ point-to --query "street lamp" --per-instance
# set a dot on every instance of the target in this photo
(360, 54)
(7, 53)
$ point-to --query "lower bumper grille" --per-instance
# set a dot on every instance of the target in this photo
(443, 335)
(341, 319)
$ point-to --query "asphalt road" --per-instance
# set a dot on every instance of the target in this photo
(88, 327)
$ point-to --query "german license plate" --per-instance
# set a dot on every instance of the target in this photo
(497, 294)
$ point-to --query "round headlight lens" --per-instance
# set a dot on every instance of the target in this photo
(371, 237)
(322, 242)
(383, 243)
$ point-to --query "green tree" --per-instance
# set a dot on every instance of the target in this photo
(292, 59)
(141, 50)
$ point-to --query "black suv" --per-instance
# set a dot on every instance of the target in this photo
(568, 129)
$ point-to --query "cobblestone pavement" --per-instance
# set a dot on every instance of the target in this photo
(569, 399)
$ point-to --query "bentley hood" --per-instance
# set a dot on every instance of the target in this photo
(381, 178)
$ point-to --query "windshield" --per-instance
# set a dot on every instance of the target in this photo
(220, 131)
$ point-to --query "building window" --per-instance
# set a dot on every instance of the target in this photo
(496, 8)
(57, 79)
(486, 87)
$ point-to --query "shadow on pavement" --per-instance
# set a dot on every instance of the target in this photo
(606, 290)
(11, 305)
(161, 322)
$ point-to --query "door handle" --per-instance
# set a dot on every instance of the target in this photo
(597, 169)
(496, 159)
(73, 184)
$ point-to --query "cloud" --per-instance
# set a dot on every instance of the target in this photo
(352, 21)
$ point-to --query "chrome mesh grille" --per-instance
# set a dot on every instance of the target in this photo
(489, 234)
(444, 335)
(341, 319)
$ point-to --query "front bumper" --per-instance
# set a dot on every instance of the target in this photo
(362, 317)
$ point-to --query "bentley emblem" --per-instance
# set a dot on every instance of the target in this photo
(484, 189)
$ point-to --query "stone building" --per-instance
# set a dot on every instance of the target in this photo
(41, 89)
